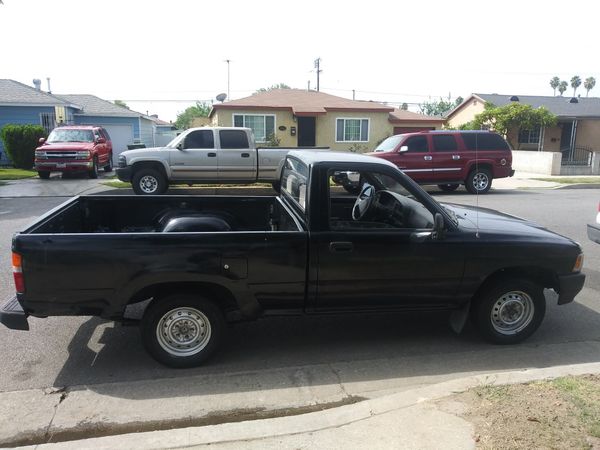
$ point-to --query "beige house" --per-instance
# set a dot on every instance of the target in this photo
(301, 118)
(571, 147)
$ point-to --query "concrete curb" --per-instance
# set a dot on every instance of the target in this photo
(322, 420)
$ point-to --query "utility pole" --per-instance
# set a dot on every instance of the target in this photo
(318, 67)
(228, 61)
(353, 94)
(309, 85)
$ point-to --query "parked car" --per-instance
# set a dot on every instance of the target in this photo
(208, 155)
(203, 261)
(450, 158)
(74, 149)
(593, 229)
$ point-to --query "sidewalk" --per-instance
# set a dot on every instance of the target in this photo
(409, 419)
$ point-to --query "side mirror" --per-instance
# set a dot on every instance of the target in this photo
(41, 140)
(101, 140)
(180, 146)
(403, 149)
(438, 226)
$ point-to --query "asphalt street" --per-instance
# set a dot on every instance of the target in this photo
(68, 351)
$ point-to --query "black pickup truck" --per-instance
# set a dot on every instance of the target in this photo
(204, 261)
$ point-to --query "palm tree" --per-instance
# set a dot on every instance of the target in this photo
(562, 87)
(589, 84)
(554, 83)
(575, 83)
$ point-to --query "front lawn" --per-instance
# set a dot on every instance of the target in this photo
(16, 174)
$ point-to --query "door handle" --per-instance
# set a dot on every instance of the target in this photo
(245, 155)
(341, 246)
(211, 155)
(455, 156)
(427, 158)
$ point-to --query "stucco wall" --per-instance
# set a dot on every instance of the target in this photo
(224, 118)
(379, 129)
(552, 139)
(546, 163)
(588, 134)
(466, 113)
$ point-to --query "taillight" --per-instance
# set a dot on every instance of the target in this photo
(17, 266)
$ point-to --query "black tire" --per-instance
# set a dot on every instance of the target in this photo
(109, 166)
(448, 187)
(44, 175)
(198, 322)
(509, 311)
(479, 181)
(149, 182)
(94, 172)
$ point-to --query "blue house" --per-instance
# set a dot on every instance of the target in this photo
(22, 104)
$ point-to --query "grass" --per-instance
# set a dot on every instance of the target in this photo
(585, 396)
(16, 174)
(571, 180)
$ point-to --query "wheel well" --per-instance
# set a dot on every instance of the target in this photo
(222, 297)
(480, 166)
(150, 165)
(543, 277)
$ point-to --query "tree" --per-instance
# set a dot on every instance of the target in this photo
(562, 87)
(404, 107)
(275, 86)
(20, 142)
(184, 119)
(439, 107)
(554, 83)
(589, 84)
(121, 103)
(575, 83)
(506, 118)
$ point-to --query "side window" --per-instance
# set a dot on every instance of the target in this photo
(105, 133)
(97, 135)
(200, 139)
(484, 141)
(417, 144)
(444, 143)
(233, 139)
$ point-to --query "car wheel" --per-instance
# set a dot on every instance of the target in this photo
(94, 172)
(109, 166)
(479, 181)
(182, 330)
(149, 182)
(509, 311)
(44, 175)
(448, 187)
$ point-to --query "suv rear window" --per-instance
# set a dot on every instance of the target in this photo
(484, 141)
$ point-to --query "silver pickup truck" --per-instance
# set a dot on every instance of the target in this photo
(201, 155)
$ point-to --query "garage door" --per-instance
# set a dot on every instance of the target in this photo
(121, 136)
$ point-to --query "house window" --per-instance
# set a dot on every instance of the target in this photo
(352, 130)
(263, 126)
(48, 121)
(529, 136)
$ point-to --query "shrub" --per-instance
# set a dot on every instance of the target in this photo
(20, 142)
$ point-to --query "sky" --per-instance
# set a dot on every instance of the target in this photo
(162, 56)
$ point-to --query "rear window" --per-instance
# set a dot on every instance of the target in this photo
(294, 178)
(233, 139)
(484, 141)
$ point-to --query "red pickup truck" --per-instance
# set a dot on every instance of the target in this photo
(74, 149)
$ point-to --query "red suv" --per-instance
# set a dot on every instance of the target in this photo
(450, 158)
(74, 148)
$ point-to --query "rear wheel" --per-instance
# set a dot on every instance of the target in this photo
(109, 166)
(448, 187)
(182, 330)
(44, 175)
(94, 172)
(509, 311)
(479, 181)
(149, 182)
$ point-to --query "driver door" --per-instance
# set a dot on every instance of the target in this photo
(197, 158)
(375, 266)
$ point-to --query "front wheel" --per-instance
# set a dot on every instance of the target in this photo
(109, 166)
(94, 172)
(149, 182)
(44, 175)
(479, 181)
(509, 311)
(182, 330)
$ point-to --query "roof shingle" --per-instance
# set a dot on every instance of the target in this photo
(559, 106)
(14, 93)
(95, 106)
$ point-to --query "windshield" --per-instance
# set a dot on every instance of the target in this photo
(389, 144)
(62, 135)
(176, 141)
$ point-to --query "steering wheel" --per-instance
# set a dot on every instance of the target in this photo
(363, 202)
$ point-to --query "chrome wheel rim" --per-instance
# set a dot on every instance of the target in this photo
(480, 181)
(148, 184)
(183, 331)
(512, 312)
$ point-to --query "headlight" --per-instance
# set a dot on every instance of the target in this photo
(122, 161)
(83, 154)
(40, 154)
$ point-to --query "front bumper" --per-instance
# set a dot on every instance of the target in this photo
(12, 315)
(569, 286)
(594, 232)
(42, 166)
(124, 173)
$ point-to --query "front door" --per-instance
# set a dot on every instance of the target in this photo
(416, 161)
(197, 157)
(307, 131)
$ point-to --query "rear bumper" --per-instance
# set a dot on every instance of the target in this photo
(569, 286)
(43, 166)
(12, 315)
(124, 173)
(594, 232)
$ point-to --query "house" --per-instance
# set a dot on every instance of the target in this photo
(22, 104)
(302, 118)
(572, 147)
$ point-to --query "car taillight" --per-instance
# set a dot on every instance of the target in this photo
(17, 266)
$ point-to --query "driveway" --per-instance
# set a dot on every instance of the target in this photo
(56, 186)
